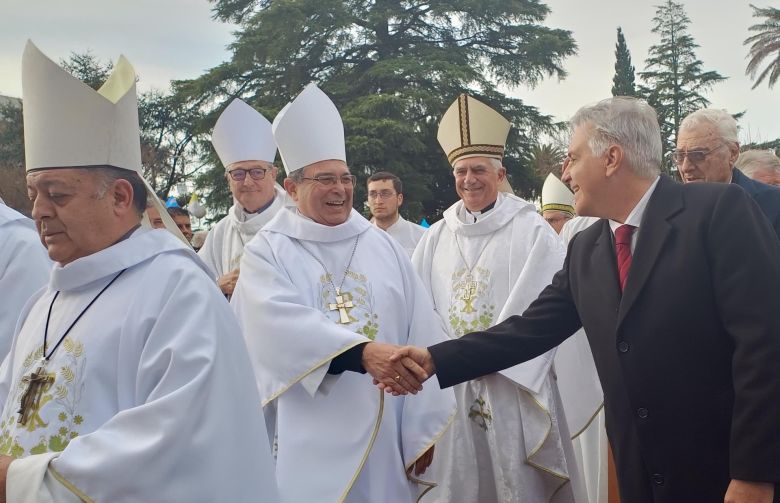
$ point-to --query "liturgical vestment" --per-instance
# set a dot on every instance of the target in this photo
(339, 437)
(150, 395)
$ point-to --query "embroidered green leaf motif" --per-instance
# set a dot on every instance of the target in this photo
(67, 345)
(67, 374)
(40, 448)
(17, 451)
(78, 349)
(57, 443)
(61, 391)
(78, 419)
(62, 416)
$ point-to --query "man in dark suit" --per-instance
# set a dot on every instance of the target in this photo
(677, 291)
(708, 147)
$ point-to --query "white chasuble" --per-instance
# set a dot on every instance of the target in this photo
(225, 242)
(339, 437)
(149, 397)
(24, 269)
(407, 233)
(509, 441)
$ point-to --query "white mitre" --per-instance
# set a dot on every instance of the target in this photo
(309, 130)
(557, 196)
(67, 124)
(243, 134)
(469, 128)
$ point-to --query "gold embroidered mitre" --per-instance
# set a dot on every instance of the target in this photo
(469, 128)
(557, 196)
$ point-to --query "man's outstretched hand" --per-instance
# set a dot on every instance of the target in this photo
(416, 361)
(395, 377)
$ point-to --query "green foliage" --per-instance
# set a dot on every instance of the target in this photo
(673, 76)
(623, 81)
(392, 67)
(87, 68)
(765, 45)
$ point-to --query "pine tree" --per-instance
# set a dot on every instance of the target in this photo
(392, 67)
(623, 81)
(673, 76)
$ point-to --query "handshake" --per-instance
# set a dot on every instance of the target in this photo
(398, 370)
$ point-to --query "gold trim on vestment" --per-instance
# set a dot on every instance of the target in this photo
(368, 449)
(494, 151)
(587, 425)
(436, 438)
(559, 207)
(68, 485)
(564, 478)
(304, 374)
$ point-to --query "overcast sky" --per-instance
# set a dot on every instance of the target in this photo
(178, 39)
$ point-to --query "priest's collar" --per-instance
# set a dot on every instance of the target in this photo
(138, 246)
(478, 214)
(289, 222)
(507, 206)
(260, 209)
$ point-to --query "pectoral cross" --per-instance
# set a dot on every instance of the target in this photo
(469, 294)
(342, 305)
(37, 382)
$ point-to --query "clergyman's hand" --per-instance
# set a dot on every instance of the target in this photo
(393, 377)
(743, 491)
(423, 463)
(227, 282)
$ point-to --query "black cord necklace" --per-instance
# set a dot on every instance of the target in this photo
(48, 316)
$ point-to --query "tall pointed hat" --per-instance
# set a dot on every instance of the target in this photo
(309, 130)
(243, 134)
(557, 196)
(67, 124)
(469, 128)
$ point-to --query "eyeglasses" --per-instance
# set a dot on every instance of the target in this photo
(382, 194)
(328, 180)
(694, 156)
(239, 175)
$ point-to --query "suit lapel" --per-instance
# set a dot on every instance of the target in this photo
(605, 266)
(653, 233)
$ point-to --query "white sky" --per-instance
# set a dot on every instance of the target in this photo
(177, 39)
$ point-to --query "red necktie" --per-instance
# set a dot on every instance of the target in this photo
(623, 250)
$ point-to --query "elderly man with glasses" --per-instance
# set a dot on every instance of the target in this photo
(244, 143)
(708, 148)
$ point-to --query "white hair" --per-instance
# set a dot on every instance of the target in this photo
(628, 122)
(751, 161)
(721, 120)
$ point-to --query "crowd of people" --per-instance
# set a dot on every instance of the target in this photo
(292, 357)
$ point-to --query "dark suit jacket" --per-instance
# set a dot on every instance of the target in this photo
(688, 356)
(766, 196)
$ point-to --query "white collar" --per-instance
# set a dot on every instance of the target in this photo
(635, 217)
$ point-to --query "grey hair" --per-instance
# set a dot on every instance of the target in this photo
(296, 176)
(494, 163)
(628, 122)
(721, 120)
(107, 175)
(751, 161)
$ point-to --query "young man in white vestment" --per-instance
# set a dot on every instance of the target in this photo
(385, 197)
(243, 141)
(487, 259)
(318, 313)
(24, 269)
(128, 379)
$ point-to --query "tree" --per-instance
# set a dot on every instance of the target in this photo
(673, 76)
(623, 81)
(765, 45)
(392, 67)
(546, 158)
(13, 187)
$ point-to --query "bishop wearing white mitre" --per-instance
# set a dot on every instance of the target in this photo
(487, 259)
(321, 294)
(245, 145)
(128, 378)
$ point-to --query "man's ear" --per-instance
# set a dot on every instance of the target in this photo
(733, 153)
(400, 199)
(501, 173)
(613, 158)
(292, 188)
(122, 193)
